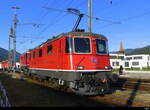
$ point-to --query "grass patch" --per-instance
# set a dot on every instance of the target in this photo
(146, 69)
(115, 70)
(138, 69)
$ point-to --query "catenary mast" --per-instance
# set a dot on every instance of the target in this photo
(15, 21)
(90, 15)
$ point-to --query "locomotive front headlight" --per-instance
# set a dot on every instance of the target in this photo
(107, 67)
(80, 67)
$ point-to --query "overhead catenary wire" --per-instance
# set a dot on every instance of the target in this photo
(128, 19)
(44, 16)
(45, 28)
(51, 24)
(34, 24)
(56, 21)
(40, 18)
(78, 13)
(112, 4)
(136, 16)
(70, 5)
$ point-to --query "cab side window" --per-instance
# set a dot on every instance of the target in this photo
(40, 52)
(49, 49)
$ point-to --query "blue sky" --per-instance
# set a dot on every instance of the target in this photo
(134, 16)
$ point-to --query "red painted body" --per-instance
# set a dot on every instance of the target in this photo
(5, 64)
(78, 60)
(60, 60)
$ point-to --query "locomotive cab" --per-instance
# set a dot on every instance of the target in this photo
(88, 53)
(89, 60)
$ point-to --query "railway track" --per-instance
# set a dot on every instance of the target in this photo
(130, 83)
(121, 98)
(132, 93)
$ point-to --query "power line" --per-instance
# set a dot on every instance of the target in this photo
(58, 20)
(53, 23)
(113, 3)
(136, 16)
(41, 20)
(128, 19)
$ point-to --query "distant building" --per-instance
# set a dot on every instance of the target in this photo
(129, 61)
(116, 60)
(137, 61)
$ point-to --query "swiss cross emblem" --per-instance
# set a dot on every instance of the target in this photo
(94, 60)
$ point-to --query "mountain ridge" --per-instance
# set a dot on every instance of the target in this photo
(4, 54)
(142, 50)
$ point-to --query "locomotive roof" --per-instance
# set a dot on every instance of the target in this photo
(85, 34)
(68, 34)
(75, 34)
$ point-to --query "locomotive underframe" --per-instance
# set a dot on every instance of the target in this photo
(86, 83)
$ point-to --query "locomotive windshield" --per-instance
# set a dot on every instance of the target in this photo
(82, 45)
(102, 46)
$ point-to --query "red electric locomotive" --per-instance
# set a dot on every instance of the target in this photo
(79, 60)
(5, 65)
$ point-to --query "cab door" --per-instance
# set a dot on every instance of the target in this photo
(60, 54)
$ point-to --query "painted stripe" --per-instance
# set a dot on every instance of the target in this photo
(68, 70)
(71, 61)
(70, 49)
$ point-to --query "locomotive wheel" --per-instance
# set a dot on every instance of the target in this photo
(34, 77)
(31, 76)
(45, 81)
(50, 81)
(40, 79)
(103, 88)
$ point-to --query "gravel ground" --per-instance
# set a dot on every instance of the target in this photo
(25, 94)
(137, 75)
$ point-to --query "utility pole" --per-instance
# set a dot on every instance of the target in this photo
(15, 21)
(90, 15)
(10, 51)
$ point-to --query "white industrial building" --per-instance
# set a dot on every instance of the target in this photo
(137, 61)
(130, 61)
(116, 60)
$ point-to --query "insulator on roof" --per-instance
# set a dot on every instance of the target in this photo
(79, 30)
